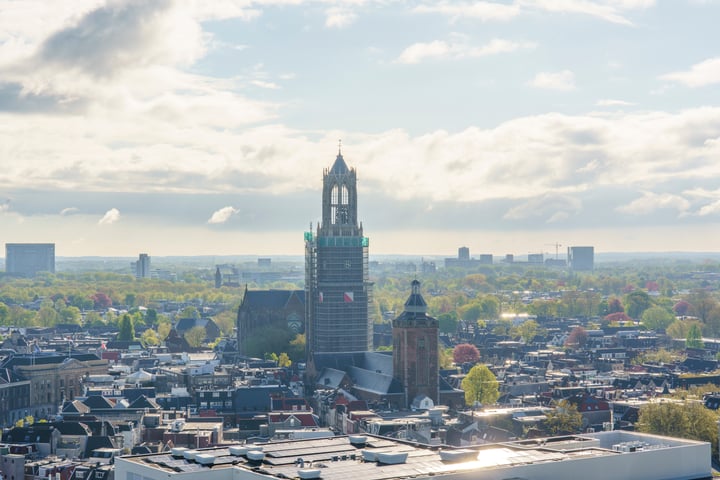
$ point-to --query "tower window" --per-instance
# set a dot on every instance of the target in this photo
(334, 195)
(345, 195)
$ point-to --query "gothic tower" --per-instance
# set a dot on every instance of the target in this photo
(337, 289)
(415, 349)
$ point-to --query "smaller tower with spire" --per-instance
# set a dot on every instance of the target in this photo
(415, 349)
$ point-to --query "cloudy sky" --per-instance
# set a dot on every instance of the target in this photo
(176, 127)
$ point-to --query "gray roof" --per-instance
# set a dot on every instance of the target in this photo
(270, 298)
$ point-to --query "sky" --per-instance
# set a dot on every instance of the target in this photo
(180, 127)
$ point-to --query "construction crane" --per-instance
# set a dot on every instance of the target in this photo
(557, 249)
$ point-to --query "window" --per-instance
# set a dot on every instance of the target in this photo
(345, 197)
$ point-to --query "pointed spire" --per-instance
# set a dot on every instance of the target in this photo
(339, 167)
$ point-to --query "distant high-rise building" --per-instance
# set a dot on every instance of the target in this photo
(486, 259)
(337, 286)
(463, 260)
(142, 266)
(415, 349)
(27, 259)
(463, 253)
(581, 258)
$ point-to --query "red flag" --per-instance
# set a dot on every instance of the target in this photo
(348, 297)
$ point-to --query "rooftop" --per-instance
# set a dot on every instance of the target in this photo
(377, 458)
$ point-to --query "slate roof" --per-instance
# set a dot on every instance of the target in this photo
(73, 428)
(95, 402)
(44, 359)
(330, 378)
(75, 406)
(372, 361)
(95, 442)
(374, 382)
(270, 298)
(143, 402)
(32, 434)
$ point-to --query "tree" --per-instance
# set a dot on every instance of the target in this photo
(480, 385)
(465, 353)
(694, 337)
(296, 350)
(151, 317)
(577, 338)
(444, 357)
(657, 318)
(636, 303)
(47, 317)
(284, 360)
(149, 338)
(682, 308)
(163, 330)
(528, 330)
(565, 418)
(685, 420)
(447, 322)
(4, 314)
(70, 315)
(127, 328)
(195, 336)
(101, 301)
(614, 305)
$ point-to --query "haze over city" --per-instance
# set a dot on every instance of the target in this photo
(193, 128)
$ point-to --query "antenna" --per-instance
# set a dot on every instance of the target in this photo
(557, 248)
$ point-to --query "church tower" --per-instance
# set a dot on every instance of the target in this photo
(337, 289)
(415, 349)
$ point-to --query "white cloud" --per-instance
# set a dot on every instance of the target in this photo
(222, 215)
(610, 11)
(480, 10)
(5, 206)
(710, 209)
(266, 85)
(69, 211)
(110, 217)
(564, 80)
(339, 18)
(551, 207)
(419, 52)
(614, 103)
(651, 202)
(699, 75)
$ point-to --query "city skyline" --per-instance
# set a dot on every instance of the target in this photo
(180, 128)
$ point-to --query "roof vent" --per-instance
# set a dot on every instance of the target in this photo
(190, 454)
(178, 452)
(238, 451)
(357, 440)
(309, 473)
(255, 456)
(369, 456)
(391, 458)
(205, 458)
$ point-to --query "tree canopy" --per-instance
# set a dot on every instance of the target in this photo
(480, 385)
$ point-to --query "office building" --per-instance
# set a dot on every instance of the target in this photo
(142, 266)
(581, 258)
(27, 259)
(337, 286)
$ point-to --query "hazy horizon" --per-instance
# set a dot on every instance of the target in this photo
(505, 126)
